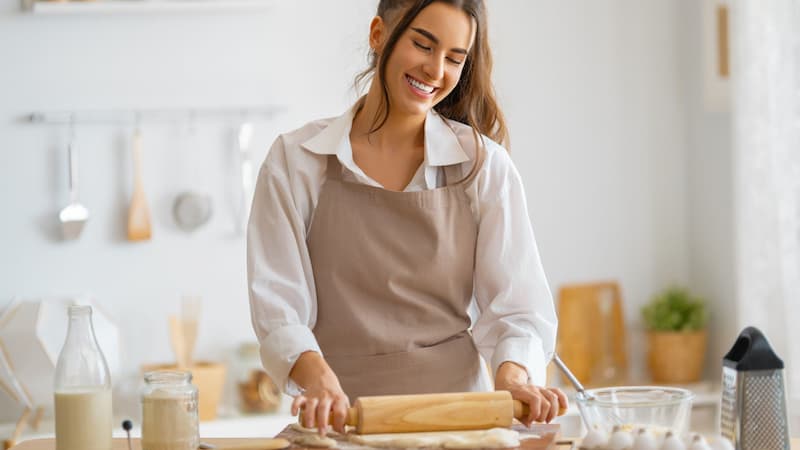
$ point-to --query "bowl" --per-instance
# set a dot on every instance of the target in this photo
(657, 408)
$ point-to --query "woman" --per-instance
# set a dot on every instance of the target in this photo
(371, 232)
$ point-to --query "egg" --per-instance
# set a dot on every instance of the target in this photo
(721, 443)
(594, 439)
(644, 440)
(698, 443)
(672, 442)
(620, 439)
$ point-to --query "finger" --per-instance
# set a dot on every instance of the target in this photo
(339, 413)
(323, 411)
(298, 403)
(552, 398)
(563, 402)
(535, 406)
(545, 410)
(310, 412)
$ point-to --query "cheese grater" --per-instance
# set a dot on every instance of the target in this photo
(753, 409)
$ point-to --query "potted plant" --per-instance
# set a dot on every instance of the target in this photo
(676, 325)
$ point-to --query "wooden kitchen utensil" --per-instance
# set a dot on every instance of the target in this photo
(139, 213)
(178, 341)
(586, 341)
(435, 412)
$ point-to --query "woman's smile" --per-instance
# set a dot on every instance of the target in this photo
(420, 88)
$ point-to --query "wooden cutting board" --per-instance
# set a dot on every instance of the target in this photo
(549, 434)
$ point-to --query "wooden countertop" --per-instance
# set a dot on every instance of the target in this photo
(122, 444)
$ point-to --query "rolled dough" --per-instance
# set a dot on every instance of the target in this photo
(494, 438)
(314, 440)
(302, 429)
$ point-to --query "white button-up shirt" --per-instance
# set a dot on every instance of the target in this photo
(515, 318)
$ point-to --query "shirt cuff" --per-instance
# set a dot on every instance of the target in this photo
(527, 352)
(280, 350)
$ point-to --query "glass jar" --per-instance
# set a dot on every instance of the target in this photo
(82, 388)
(169, 411)
(257, 392)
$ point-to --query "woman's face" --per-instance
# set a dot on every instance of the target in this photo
(427, 60)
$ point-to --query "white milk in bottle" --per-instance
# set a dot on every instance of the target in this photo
(83, 419)
(82, 388)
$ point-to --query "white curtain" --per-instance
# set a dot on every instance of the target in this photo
(765, 103)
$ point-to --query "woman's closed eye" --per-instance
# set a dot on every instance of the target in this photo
(421, 47)
(428, 49)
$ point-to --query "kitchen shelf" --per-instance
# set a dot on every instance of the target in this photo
(141, 6)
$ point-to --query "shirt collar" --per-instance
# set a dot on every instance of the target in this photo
(442, 147)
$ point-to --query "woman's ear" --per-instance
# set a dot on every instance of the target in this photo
(377, 34)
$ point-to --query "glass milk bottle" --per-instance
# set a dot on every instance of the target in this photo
(82, 388)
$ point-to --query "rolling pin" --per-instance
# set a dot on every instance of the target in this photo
(435, 412)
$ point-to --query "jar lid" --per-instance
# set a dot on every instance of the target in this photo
(168, 377)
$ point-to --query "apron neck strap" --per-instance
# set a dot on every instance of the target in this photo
(334, 169)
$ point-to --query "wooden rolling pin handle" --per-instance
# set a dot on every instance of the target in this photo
(521, 410)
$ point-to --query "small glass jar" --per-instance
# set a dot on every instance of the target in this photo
(169, 411)
(257, 392)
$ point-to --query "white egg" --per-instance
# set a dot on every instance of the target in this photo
(698, 443)
(644, 440)
(672, 442)
(721, 443)
(620, 439)
(594, 439)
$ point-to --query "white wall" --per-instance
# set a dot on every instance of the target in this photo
(710, 203)
(592, 90)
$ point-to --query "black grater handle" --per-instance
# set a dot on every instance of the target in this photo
(751, 351)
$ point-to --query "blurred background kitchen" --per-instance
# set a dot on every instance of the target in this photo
(659, 144)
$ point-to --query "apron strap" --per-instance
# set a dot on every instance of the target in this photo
(334, 168)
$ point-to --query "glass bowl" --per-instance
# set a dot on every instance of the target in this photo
(657, 408)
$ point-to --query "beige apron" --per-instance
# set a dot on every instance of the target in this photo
(394, 279)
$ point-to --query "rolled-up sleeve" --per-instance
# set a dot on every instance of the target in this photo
(517, 320)
(280, 280)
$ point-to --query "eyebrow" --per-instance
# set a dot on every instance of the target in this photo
(435, 40)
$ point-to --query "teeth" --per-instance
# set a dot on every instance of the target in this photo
(422, 87)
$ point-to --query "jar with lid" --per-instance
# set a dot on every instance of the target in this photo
(169, 411)
(257, 392)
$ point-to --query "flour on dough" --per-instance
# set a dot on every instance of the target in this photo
(528, 435)
(314, 440)
(302, 429)
(494, 438)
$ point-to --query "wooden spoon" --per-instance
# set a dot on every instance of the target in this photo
(138, 214)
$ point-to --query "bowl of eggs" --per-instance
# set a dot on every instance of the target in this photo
(657, 409)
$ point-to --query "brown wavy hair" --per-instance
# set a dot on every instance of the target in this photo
(473, 100)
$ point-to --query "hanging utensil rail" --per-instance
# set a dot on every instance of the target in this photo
(133, 116)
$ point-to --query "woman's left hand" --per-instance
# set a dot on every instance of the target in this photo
(544, 402)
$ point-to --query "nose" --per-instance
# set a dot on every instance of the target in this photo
(434, 67)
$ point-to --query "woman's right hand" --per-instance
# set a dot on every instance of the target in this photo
(322, 395)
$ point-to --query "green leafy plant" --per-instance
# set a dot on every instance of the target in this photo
(675, 309)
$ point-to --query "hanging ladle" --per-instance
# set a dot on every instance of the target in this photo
(74, 216)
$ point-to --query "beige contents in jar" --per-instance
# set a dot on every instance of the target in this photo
(259, 393)
(169, 422)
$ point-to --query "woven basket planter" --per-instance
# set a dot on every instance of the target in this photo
(676, 356)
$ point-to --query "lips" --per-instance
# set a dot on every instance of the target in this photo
(419, 86)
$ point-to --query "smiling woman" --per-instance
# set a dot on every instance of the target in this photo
(372, 232)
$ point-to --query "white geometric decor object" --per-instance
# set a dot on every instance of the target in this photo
(12, 398)
(31, 336)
